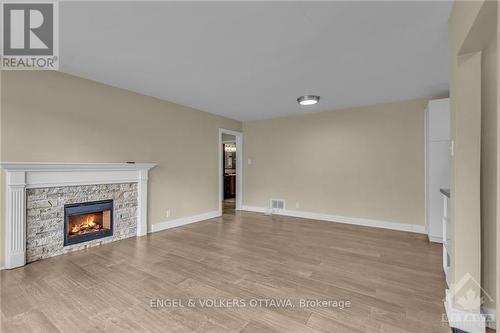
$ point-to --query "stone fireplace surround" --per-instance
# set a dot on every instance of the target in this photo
(45, 216)
(25, 177)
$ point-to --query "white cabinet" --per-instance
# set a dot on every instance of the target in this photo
(437, 164)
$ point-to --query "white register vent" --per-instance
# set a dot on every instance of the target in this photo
(277, 204)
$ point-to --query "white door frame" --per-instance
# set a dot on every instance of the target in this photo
(239, 168)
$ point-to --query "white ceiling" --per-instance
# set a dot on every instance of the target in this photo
(251, 60)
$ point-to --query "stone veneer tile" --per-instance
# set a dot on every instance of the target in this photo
(45, 216)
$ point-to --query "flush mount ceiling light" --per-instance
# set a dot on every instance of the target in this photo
(229, 148)
(308, 100)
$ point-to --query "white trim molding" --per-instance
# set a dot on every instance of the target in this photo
(239, 168)
(435, 239)
(184, 220)
(341, 219)
(23, 175)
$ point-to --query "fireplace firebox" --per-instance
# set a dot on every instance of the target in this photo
(87, 221)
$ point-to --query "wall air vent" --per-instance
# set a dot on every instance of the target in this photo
(276, 205)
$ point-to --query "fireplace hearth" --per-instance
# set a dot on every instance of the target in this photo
(87, 221)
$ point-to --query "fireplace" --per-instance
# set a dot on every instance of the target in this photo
(87, 221)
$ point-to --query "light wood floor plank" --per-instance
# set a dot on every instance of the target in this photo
(393, 279)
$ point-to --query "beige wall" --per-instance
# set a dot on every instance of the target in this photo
(472, 30)
(489, 170)
(50, 116)
(366, 162)
(466, 165)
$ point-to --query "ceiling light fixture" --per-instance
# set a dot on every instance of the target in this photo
(308, 100)
(229, 148)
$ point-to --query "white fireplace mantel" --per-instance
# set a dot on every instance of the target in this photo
(23, 175)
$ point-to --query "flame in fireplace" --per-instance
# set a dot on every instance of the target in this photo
(86, 225)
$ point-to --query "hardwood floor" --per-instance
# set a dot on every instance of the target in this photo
(229, 206)
(393, 280)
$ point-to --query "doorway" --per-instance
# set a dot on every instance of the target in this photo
(230, 168)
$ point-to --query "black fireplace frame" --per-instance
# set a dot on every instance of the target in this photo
(87, 208)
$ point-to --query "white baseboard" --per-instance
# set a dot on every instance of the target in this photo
(254, 209)
(342, 219)
(184, 220)
(490, 317)
(435, 239)
(465, 321)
